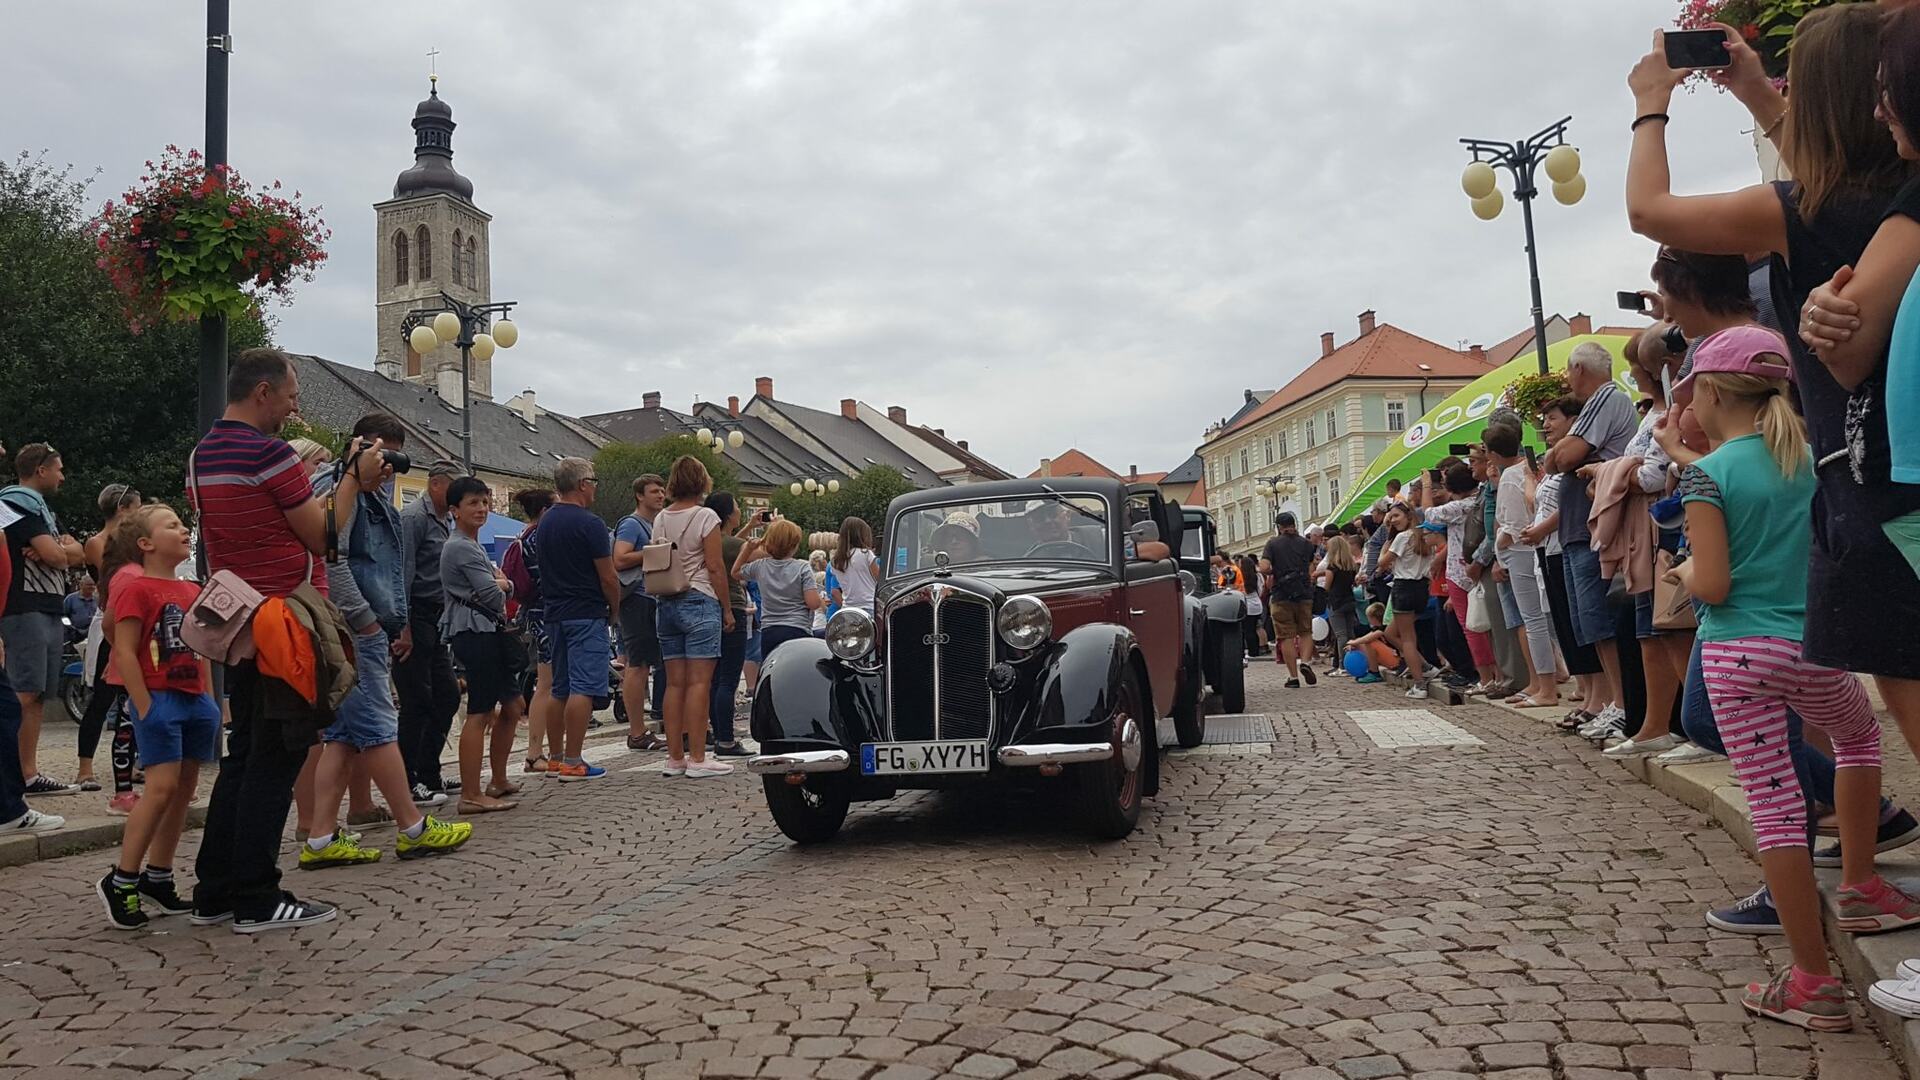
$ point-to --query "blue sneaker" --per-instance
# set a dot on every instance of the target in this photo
(1754, 915)
(579, 770)
(1369, 677)
(1897, 829)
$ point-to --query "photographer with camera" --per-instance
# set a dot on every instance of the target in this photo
(367, 582)
(422, 666)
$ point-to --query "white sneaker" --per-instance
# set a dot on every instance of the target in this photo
(1900, 996)
(1614, 732)
(1908, 969)
(670, 767)
(1609, 717)
(1418, 693)
(33, 821)
(1687, 754)
(701, 770)
(1641, 748)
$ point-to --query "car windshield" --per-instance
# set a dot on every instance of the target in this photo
(1045, 527)
(1193, 544)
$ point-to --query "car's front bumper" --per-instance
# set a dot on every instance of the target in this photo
(1036, 754)
(800, 761)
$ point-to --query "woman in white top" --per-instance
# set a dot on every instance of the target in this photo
(691, 624)
(1519, 570)
(855, 565)
(1409, 558)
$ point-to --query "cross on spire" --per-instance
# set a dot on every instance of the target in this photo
(433, 64)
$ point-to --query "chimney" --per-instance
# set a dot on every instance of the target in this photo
(962, 444)
(1479, 353)
(1366, 322)
(446, 383)
(940, 431)
(897, 414)
(650, 399)
(1046, 466)
(525, 404)
(1133, 472)
(1580, 324)
(763, 386)
(849, 408)
(1247, 396)
(733, 404)
(1326, 343)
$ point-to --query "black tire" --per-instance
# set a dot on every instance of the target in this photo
(1231, 679)
(1190, 713)
(1109, 792)
(74, 697)
(809, 813)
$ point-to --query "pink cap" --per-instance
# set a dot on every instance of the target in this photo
(1739, 351)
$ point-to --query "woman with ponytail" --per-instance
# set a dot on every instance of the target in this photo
(1746, 504)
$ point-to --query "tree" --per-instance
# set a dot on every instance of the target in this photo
(119, 406)
(866, 496)
(618, 463)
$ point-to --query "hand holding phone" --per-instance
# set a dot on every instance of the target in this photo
(1631, 301)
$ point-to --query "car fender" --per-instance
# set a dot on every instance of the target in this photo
(1193, 644)
(1075, 687)
(1224, 606)
(808, 700)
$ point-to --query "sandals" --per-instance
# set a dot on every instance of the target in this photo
(537, 764)
(1576, 720)
(468, 806)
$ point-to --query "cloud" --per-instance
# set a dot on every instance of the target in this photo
(1036, 225)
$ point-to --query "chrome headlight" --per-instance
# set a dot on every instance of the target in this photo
(850, 633)
(1024, 622)
(1188, 582)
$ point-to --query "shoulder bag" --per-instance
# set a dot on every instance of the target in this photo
(666, 576)
(1672, 604)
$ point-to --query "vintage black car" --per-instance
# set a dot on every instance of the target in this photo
(1019, 633)
(1216, 629)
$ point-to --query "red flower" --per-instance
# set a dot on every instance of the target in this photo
(1749, 31)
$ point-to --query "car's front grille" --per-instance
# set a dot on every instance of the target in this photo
(939, 648)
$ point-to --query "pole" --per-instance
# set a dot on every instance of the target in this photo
(1525, 194)
(466, 400)
(213, 328)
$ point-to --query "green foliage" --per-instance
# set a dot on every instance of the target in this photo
(1529, 395)
(618, 463)
(866, 496)
(299, 428)
(119, 406)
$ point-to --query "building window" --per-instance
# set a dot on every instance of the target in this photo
(473, 262)
(1227, 520)
(1310, 439)
(1283, 444)
(1396, 416)
(1269, 444)
(457, 279)
(1313, 500)
(1333, 491)
(423, 240)
(1244, 467)
(1332, 431)
(1246, 520)
(1213, 471)
(400, 257)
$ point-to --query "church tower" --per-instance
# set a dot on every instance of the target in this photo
(430, 238)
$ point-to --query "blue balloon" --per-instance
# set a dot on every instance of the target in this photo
(1356, 663)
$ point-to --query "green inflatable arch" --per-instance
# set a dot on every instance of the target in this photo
(1462, 418)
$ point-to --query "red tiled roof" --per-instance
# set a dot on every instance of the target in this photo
(1510, 348)
(1076, 463)
(1146, 478)
(1387, 353)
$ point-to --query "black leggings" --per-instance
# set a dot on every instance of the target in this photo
(108, 702)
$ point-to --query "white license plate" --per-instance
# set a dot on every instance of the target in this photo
(910, 758)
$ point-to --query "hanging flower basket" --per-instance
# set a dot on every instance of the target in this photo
(186, 242)
(1529, 395)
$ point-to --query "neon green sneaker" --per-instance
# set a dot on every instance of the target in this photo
(344, 850)
(438, 838)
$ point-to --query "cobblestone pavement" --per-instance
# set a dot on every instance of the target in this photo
(1313, 908)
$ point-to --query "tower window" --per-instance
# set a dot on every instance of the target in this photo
(400, 257)
(473, 261)
(456, 257)
(424, 241)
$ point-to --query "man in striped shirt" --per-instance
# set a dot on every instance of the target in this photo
(259, 519)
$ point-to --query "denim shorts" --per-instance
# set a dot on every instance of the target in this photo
(1587, 595)
(367, 717)
(754, 644)
(177, 726)
(689, 627)
(582, 657)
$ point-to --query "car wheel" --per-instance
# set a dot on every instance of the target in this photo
(808, 813)
(1110, 791)
(1231, 679)
(1190, 713)
(74, 698)
(620, 709)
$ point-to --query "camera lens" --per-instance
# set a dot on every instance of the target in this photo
(399, 460)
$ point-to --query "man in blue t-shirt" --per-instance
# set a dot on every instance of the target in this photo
(580, 593)
(637, 633)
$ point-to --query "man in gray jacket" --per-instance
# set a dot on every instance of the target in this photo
(366, 582)
(422, 667)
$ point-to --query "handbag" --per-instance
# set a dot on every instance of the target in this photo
(665, 575)
(1672, 604)
(1479, 621)
(218, 624)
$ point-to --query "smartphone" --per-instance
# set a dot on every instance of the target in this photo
(1533, 464)
(1632, 301)
(1689, 49)
(1460, 449)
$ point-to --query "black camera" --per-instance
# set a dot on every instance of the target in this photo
(398, 459)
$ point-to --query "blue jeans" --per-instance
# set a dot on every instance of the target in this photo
(367, 717)
(726, 678)
(1813, 768)
(1587, 595)
(13, 786)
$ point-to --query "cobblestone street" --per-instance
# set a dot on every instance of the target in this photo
(1317, 907)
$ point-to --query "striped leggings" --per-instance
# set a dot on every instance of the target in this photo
(1751, 682)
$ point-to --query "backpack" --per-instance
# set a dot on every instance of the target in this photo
(514, 565)
(632, 576)
(665, 574)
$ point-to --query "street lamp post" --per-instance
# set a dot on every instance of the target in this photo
(1275, 488)
(1547, 147)
(213, 328)
(473, 328)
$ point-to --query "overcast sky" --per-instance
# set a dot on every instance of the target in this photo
(1036, 224)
